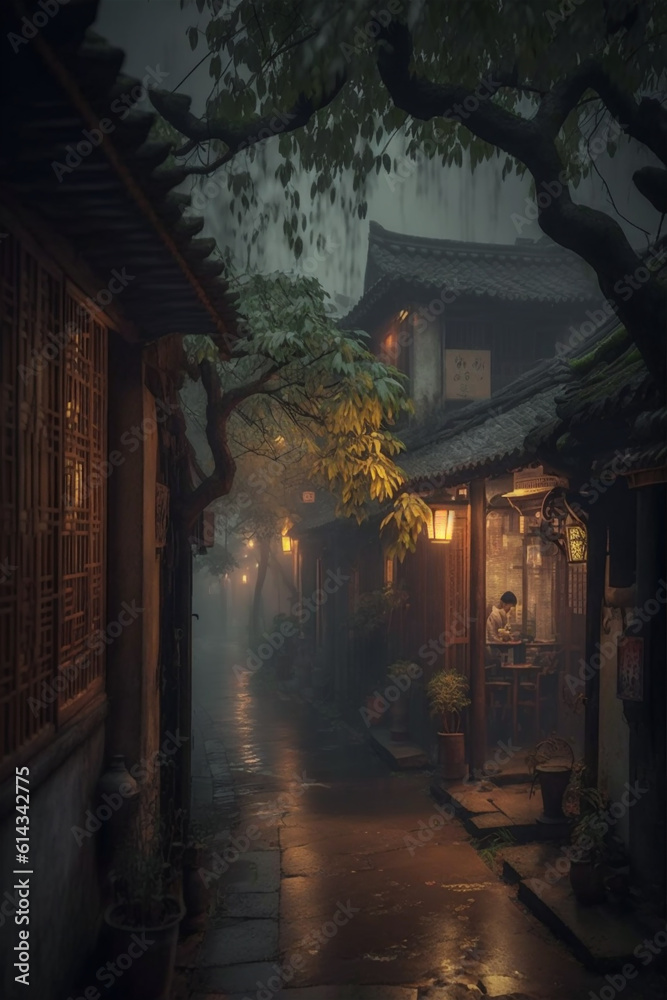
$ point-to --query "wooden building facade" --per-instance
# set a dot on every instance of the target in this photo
(588, 427)
(97, 265)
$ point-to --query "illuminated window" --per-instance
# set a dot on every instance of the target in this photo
(53, 494)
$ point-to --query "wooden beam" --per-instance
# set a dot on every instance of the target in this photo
(478, 623)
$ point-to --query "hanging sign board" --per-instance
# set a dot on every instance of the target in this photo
(308, 497)
(467, 374)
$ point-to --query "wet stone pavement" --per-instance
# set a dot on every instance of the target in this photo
(317, 894)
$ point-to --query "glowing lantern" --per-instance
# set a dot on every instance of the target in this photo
(576, 541)
(286, 542)
(244, 578)
(440, 526)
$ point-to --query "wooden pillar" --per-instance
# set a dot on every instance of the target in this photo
(595, 578)
(647, 717)
(478, 622)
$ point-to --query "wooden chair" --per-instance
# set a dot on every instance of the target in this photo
(498, 699)
(536, 693)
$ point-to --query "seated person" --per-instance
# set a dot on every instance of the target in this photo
(499, 617)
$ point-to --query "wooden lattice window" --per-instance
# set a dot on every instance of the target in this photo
(457, 594)
(53, 437)
(577, 588)
(83, 532)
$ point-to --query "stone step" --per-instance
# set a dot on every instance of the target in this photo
(603, 938)
(400, 756)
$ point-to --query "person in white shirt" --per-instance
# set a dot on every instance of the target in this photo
(499, 616)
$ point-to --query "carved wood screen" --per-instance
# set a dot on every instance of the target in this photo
(53, 437)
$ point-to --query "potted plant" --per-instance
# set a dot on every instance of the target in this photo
(400, 705)
(144, 911)
(589, 849)
(448, 694)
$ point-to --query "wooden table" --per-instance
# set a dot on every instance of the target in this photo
(512, 644)
(517, 670)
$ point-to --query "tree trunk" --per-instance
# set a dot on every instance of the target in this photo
(264, 554)
(275, 561)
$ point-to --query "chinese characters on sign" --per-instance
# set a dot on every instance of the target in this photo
(308, 496)
(467, 374)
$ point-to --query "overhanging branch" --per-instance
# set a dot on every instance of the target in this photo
(175, 108)
(593, 235)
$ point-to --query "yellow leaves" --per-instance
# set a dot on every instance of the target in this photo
(405, 523)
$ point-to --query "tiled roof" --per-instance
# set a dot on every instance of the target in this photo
(116, 206)
(526, 271)
(489, 436)
(610, 403)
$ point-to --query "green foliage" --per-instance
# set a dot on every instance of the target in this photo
(400, 668)
(491, 846)
(375, 608)
(315, 400)
(448, 694)
(217, 560)
(263, 59)
(590, 833)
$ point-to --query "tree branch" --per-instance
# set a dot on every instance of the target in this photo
(175, 108)
(591, 234)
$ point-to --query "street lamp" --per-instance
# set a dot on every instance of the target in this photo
(285, 540)
(576, 540)
(566, 528)
(440, 526)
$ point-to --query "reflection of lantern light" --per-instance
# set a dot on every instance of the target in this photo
(440, 526)
(576, 542)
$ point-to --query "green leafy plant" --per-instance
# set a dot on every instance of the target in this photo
(590, 834)
(489, 847)
(448, 694)
(399, 668)
(360, 107)
(375, 608)
(140, 881)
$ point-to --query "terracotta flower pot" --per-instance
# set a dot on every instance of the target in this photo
(148, 953)
(452, 756)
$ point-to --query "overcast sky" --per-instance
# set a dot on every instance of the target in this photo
(448, 203)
